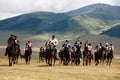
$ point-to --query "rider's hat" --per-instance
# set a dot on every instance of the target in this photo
(106, 43)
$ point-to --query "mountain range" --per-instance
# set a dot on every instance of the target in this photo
(98, 19)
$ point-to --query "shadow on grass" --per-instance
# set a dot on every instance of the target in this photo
(43, 65)
(4, 65)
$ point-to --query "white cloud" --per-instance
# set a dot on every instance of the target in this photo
(10, 8)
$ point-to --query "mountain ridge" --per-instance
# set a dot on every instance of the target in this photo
(91, 19)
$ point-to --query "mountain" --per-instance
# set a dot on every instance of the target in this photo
(113, 32)
(96, 7)
(91, 19)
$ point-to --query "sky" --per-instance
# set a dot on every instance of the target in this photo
(10, 8)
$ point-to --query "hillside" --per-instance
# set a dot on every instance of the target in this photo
(113, 32)
(92, 19)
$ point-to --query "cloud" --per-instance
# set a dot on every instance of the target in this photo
(10, 8)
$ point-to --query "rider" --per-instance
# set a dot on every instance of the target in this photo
(29, 46)
(55, 42)
(11, 42)
(66, 45)
(86, 45)
(89, 47)
(107, 48)
(99, 46)
(111, 48)
(17, 43)
(42, 49)
(77, 42)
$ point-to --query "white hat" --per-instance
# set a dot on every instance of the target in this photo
(106, 43)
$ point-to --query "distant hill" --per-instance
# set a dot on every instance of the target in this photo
(92, 19)
(113, 32)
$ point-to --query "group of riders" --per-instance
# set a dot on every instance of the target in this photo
(15, 43)
(104, 50)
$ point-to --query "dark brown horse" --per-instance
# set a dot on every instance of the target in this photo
(27, 55)
(87, 55)
(51, 55)
(77, 54)
(13, 54)
(61, 55)
(90, 57)
(99, 55)
(42, 54)
(64, 55)
(109, 57)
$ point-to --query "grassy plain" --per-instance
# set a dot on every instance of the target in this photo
(40, 71)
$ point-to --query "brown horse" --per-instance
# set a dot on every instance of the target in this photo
(64, 55)
(51, 55)
(27, 55)
(42, 54)
(13, 54)
(90, 57)
(99, 55)
(77, 54)
(109, 57)
(61, 55)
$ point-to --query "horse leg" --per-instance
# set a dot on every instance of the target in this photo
(83, 61)
(26, 60)
(86, 60)
(51, 61)
(54, 59)
(46, 58)
(110, 61)
(39, 57)
(10, 61)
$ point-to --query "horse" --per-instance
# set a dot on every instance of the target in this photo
(66, 55)
(90, 57)
(42, 54)
(77, 55)
(27, 55)
(51, 55)
(109, 57)
(13, 54)
(85, 57)
(61, 55)
(99, 55)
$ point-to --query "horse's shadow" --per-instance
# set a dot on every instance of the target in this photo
(43, 66)
(4, 65)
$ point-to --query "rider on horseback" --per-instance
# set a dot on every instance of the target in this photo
(29, 46)
(86, 45)
(106, 48)
(111, 48)
(66, 45)
(55, 42)
(77, 43)
(99, 46)
(17, 44)
(11, 42)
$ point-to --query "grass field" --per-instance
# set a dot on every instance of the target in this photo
(40, 71)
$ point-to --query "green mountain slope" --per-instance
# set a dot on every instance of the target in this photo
(92, 19)
(113, 32)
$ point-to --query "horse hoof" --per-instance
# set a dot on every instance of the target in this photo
(13, 62)
(50, 64)
(10, 64)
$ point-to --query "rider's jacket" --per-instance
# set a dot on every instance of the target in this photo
(66, 44)
(54, 41)
(11, 41)
(111, 48)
